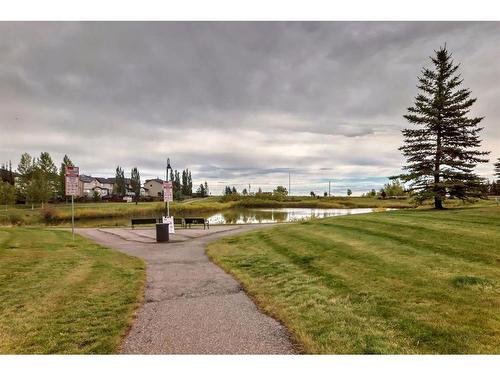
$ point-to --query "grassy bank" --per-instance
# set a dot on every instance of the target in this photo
(60, 214)
(322, 202)
(417, 281)
(60, 296)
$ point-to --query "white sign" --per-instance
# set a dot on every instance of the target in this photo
(170, 222)
(168, 195)
(71, 180)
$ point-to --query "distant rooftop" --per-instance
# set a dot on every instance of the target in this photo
(159, 180)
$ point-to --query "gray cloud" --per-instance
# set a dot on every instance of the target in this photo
(234, 101)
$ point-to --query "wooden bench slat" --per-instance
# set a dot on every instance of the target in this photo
(143, 221)
(196, 220)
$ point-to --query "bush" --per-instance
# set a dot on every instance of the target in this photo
(13, 218)
(48, 214)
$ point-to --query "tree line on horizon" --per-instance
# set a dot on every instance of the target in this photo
(37, 180)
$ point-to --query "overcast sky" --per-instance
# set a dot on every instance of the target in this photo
(237, 103)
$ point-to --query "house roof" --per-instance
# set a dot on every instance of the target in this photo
(85, 178)
(159, 180)
(102, 180)
(105, 180)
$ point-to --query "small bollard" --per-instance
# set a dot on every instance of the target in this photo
(162, 234)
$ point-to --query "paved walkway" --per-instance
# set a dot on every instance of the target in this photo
(191, 305)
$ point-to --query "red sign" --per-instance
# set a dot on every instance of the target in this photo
(72, 171)
(72, 175)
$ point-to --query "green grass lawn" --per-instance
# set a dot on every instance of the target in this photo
(409, 281)
(60, 296)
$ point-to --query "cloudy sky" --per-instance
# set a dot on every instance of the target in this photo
(237, 103)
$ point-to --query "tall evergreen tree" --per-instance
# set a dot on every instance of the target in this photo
(4, 173)
(7, 194)
(11, 180)
(190, 183)
(176, 184)
(42, 186)
(497, 169)
(135, 182)
(46, 177)
(201, 191)
(184, 182)
(25, 169)
(119, 186)
(442, 150)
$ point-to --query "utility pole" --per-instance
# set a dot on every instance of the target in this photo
(328, 188)
(248, 189)
(166, 180)
(289, 187)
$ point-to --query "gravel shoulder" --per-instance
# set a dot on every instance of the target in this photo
(191, 305)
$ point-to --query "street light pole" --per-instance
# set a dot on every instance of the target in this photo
(166, 180)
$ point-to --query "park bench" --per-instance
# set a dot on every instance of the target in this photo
(179, 221)
(196, 220)
(143, 221)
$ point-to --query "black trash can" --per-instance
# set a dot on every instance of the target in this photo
(162, 232)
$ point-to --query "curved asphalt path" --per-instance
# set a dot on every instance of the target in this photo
(191, 305)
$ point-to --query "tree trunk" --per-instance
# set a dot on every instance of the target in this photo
(438, 199)
(438, 202)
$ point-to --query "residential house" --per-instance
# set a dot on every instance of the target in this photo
(105, 186)
(154, 187)
(102, 185)
(86, 185)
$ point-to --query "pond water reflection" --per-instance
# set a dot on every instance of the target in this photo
(236, 216)
(279, 215)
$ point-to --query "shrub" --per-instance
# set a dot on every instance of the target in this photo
(48, 214)
(14, 218)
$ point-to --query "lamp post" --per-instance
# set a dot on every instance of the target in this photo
(166, 180)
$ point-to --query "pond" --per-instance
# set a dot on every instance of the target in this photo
(279, 215)
(238, 216)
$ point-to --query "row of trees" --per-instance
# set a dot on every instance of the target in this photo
(202, 190)
(120, 185)
(39, 180)
(182, 183)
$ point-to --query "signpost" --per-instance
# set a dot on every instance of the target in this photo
(71, 177)
(168, 195)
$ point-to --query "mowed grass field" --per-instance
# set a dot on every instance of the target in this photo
(60, 296)
(409, 281)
